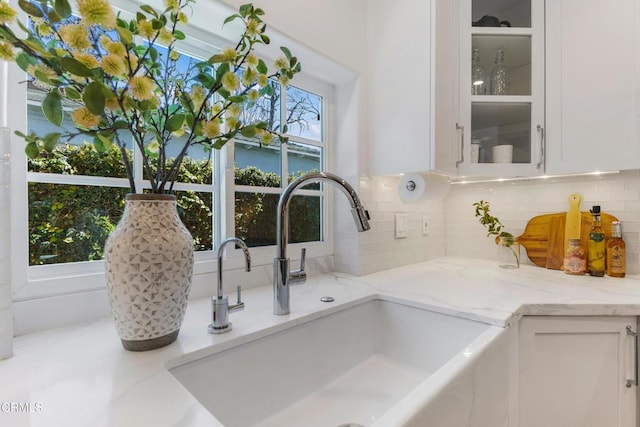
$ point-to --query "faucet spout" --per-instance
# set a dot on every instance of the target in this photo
(220, 307)
(283, 276)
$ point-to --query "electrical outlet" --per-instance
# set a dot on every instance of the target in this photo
(425, 225)
(402, 225)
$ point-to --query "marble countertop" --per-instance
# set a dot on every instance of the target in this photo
(81, 375)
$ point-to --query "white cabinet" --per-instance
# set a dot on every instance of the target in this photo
(407, 54)
(574, 372)
(506, 111)
(592, 85)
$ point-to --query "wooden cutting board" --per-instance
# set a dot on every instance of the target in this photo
(543, 237)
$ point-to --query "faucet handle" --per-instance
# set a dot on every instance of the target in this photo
(303, 258)
(298, 277)
(238, 305)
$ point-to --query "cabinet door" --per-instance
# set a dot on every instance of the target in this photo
(593, 85)
(574, 372)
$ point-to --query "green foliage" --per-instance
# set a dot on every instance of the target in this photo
(491, 223)
(70, 223)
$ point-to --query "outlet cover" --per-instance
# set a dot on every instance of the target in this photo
(402, 225)
(425, 225)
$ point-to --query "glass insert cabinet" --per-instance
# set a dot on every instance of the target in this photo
(501, 127)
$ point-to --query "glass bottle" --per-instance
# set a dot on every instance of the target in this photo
(596, 245)
(616, 252)
(499, 75)
(574, 260)
(477, 74)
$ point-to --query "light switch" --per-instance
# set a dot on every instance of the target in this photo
(425, 225)
(402, 225)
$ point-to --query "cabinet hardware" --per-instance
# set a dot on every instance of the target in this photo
(461, 129)
(540, 163)
(634, 334)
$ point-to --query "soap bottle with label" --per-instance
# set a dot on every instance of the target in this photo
(596, 245)
(616, 252)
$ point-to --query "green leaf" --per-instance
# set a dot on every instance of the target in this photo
(231, 18)
(216, 59)
(50, 141)
(285, 128)
(107, 140)
(72, 93)
(262, 67)
(156, 24)
(179, 35)
(174, 123)
(265, 39)
(62, 8)
(32, 150)
(149, 10)
(76, 67)
(94, 97)
(237, 99)
(98, 144)
(248, 131)
(52, 107)
(245, 9)
(221, 71)
(23, 60)
(30, 8)
(286, 52)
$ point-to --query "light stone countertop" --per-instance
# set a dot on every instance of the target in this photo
(81, 375)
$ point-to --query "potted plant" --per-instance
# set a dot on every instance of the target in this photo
(508, 246)
(125, 81)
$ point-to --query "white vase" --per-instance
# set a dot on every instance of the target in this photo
(149, 265)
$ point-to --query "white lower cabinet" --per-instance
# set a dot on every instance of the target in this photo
(577, 371)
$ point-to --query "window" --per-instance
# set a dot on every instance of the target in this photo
(76, 195)
(262, 171)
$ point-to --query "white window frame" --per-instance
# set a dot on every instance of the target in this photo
(31, 282)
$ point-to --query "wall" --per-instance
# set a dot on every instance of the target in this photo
(514, 203)
(378, 249)
(6, 320)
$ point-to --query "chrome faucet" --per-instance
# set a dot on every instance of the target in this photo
(283, 277)
(220, 307)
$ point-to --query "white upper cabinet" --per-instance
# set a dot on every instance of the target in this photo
(412, 91)
(593, 85)
(501, 88)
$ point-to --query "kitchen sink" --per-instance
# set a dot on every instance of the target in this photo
(347, 368)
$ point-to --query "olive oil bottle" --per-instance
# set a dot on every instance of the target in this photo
(596, 245)
(616, 252)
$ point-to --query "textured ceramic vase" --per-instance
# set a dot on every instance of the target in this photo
(149, 265)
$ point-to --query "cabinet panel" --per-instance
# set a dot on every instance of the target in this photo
(573, 372)
(593, 85)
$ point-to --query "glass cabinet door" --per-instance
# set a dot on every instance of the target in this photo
(502, 92)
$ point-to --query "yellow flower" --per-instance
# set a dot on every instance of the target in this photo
(172, 5)
(266, 138)
(112, 103)
(6, 52)
(174, 55)
(86, 59)
(252, 61)
(232, 123)
(165, 37)
(253, 95)
(116, 48)
(216, 109)
(141, 88)
(248, 76)
(145, 29)
(182, 18)
(263, 80)
(230, 81)
(229, 55)
(234, 110)
(82, 117)
(211, 129)
(198, 95)
(114, 65)
(284, 80)
(97, 12)
(7, 14)
(42, 72)
(153, 147)
(253, 27)
(281, 63)
(42, 28)
(76, 36)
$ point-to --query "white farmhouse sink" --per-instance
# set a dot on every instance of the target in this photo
(349, 367)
